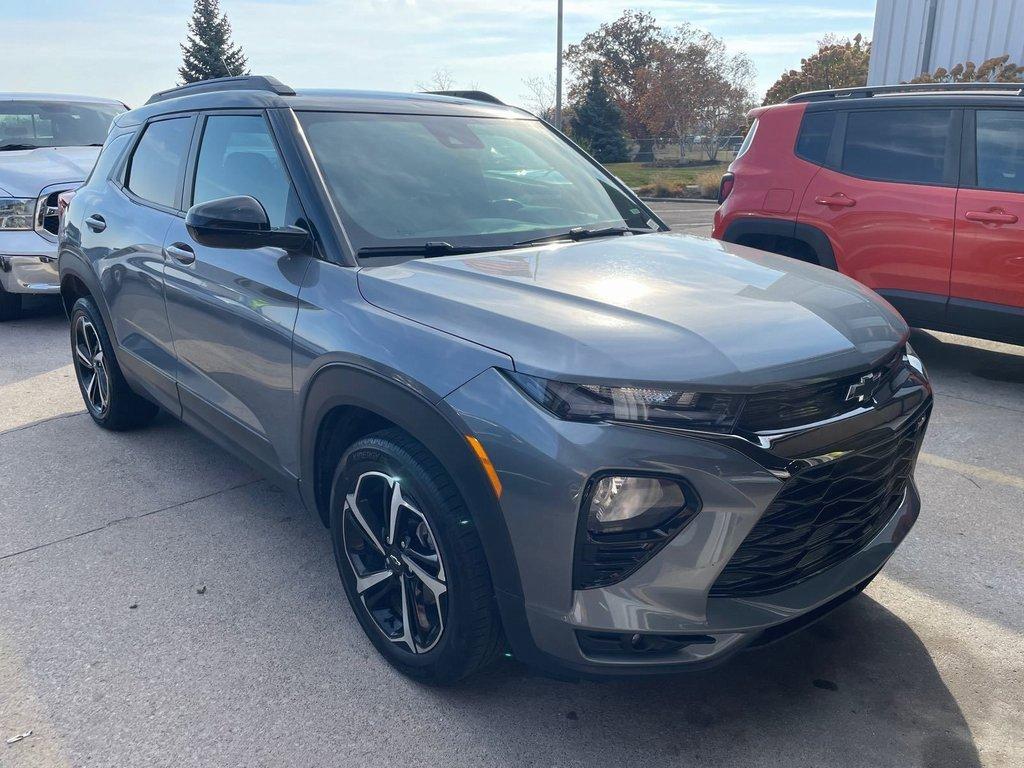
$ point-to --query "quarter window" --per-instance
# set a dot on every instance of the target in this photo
(157, 163)
(109, 156)
(905, 145)
(1000, 136)
(238, 157)
(815, 135)
(747, 140)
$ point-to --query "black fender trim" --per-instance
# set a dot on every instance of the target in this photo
(71, 264)
(813, 237)
(441, 430)
(436, 425)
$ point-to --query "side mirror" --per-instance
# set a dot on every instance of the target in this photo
(239, 222)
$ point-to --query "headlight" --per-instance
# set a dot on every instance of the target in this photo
(704, 411)
(16, 212)
(914, 360)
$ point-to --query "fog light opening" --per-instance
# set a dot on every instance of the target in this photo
(625, 519)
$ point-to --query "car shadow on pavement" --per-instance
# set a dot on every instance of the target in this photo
(858, 688)
(992, 361)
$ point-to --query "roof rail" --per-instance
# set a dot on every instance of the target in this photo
(471, 95)
(866, 92)
(241, 83)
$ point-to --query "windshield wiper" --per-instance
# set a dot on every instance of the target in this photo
(4, 147)
(430, 248)
(582, 233)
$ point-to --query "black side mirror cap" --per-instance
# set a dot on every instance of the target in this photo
(240, 222)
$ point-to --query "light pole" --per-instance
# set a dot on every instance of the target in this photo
(558, 73)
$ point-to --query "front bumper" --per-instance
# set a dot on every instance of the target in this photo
(544, 465)
(28, 263)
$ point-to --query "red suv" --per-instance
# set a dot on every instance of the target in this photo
(915, 191)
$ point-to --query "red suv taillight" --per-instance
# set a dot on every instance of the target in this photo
(725, 188)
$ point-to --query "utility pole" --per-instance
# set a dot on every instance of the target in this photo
(558, 73)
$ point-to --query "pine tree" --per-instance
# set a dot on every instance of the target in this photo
(597, 122)
(209, 52)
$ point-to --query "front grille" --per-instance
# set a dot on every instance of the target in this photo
(817, 402)
(48, 215)
(823, 515)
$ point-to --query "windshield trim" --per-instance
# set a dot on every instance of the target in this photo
(350, 257)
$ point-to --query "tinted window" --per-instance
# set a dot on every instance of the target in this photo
(54, 124)
(906, 145)
(156, 165)
(469, 181)
(1000, 136)
(108, 158)
(238, 157)
(815, 135)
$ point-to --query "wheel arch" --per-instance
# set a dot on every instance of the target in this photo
(77, 281)
(751, 231)
(343, 402)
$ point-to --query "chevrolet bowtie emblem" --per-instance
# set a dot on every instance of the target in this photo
(863, 389)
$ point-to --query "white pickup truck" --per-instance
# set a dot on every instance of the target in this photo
(48, 145)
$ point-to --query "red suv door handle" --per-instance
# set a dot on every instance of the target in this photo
(991, 217)
(837, 199)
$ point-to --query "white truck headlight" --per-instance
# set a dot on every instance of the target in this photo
(17, 212)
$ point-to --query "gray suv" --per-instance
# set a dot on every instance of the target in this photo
(531, 418)
(48, 145)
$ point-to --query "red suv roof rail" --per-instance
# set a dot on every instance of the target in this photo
(866, 92)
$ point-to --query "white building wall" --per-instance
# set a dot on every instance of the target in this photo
(915, 36)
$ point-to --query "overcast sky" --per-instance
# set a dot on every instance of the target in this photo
(128, 49)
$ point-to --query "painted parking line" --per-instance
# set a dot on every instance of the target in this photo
(972, 470)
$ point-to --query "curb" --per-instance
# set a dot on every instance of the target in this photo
(679, 200)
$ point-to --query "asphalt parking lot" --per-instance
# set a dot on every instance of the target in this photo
(163, 606)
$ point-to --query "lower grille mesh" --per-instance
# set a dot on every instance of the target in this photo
(823, 515)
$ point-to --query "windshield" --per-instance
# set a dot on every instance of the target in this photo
(468, 181)
(33, 124)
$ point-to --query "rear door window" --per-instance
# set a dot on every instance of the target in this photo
(904, 145)
(1000, 149)
(156, 164)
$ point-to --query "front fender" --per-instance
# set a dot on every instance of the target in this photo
(433, 423)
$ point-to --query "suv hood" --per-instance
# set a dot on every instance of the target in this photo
(651, 308)
(24, 173)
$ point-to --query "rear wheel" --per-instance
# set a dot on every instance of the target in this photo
(108, 398)
(411, 561)
(10, 305)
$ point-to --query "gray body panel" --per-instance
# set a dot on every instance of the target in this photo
(231, 314)
(652, 308)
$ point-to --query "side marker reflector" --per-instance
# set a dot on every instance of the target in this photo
(485, 462)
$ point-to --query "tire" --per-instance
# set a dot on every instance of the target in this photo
(10, 305)
(432, 518)
(108, 398)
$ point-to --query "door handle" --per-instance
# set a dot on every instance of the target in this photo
(991, 217)
(95, 222)
(838, 199)
(181, 253)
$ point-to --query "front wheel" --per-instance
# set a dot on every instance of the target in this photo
(411, 561)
